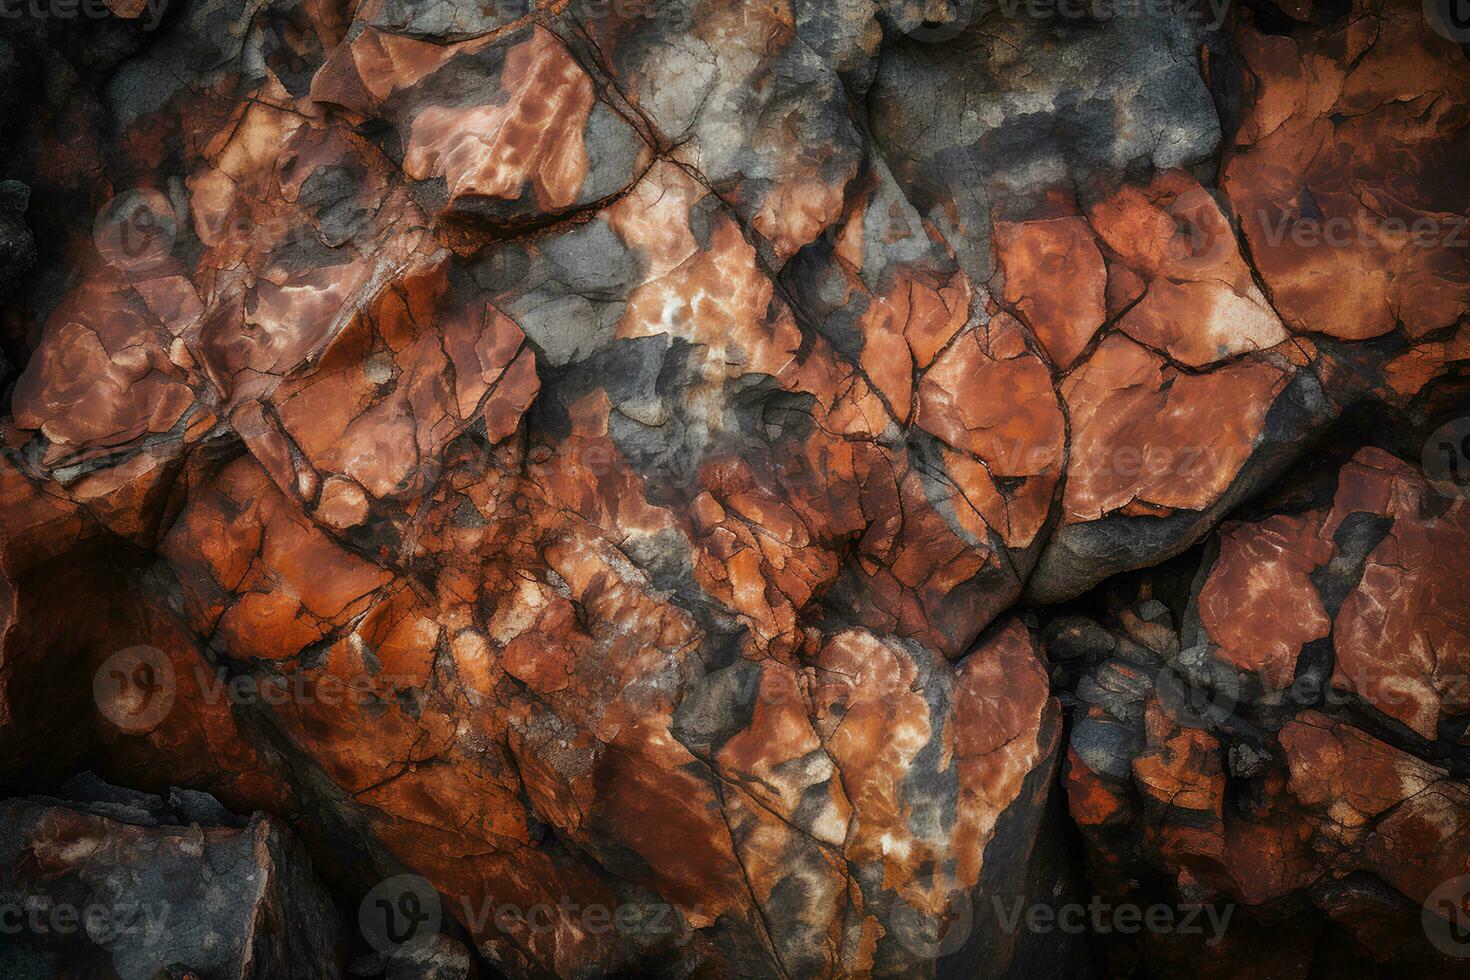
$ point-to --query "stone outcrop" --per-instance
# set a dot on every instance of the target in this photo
(645, 472)
(1297, 752)
(114, 883)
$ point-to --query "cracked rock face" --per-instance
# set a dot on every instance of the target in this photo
(1310, 775)
(112, 882)
(679, 487)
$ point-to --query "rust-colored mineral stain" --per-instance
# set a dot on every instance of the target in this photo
(104, 377)
(1339, 160)
(533, 135)
(1260, 604)
(1143, 431)
(1199, 301)
(1054, 276)
(1403, 635)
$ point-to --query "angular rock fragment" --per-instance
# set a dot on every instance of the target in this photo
(111, 883)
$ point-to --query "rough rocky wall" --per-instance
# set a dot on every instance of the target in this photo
(716, 488)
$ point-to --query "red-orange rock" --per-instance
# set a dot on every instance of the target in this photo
(1345, 175)
(588, 457)
(1265, 759)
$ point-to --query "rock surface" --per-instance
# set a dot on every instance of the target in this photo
(645, 472)
(1297, 752)
(116, 883)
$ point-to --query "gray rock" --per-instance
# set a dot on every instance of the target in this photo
(443, 959)
(17, 245)
(102, 889)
